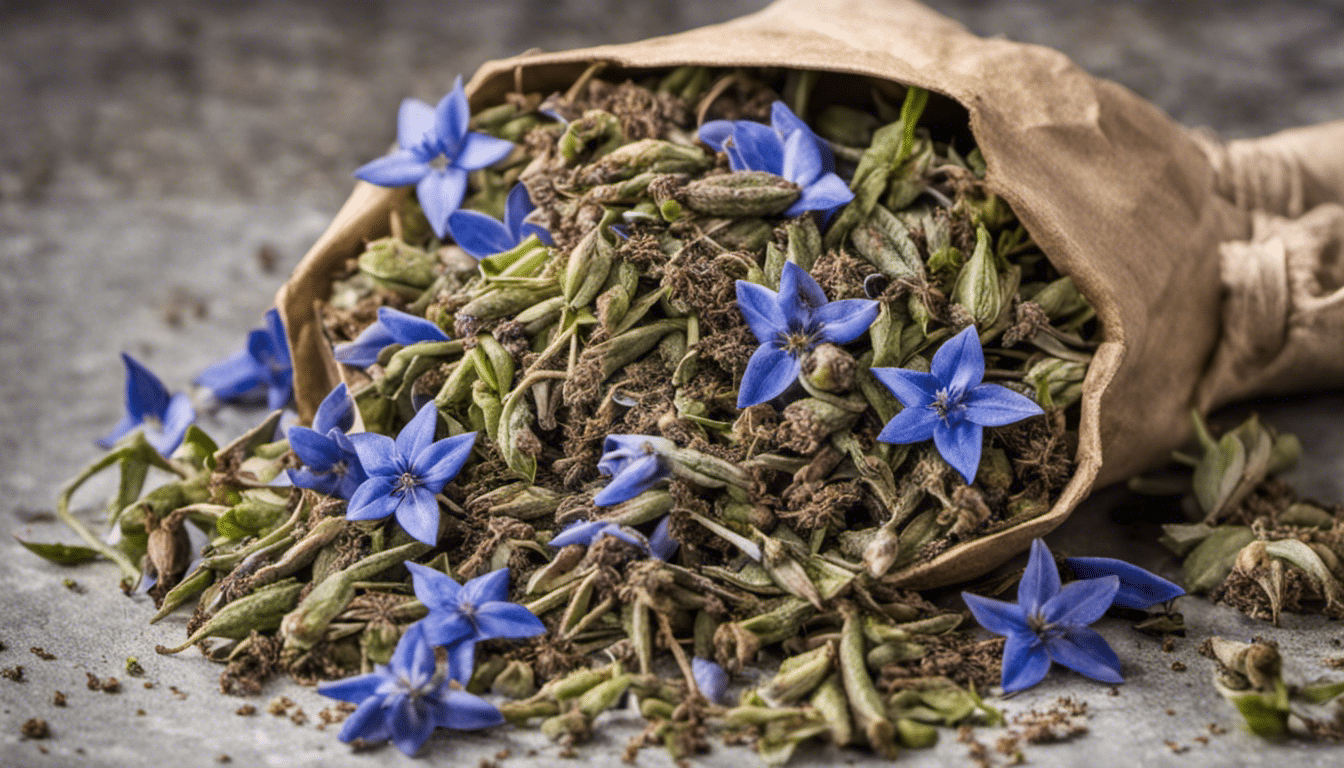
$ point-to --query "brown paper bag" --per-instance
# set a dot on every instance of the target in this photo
(1215, 269)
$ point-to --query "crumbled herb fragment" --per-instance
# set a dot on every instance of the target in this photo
(36, 728)
(57, 699)
(245, 710)
(14, 673)
(133, 667)
(42, 654)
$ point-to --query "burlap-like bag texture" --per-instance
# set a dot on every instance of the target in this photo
(1215, 269)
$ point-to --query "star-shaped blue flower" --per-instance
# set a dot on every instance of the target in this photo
(951, 404)
(481, 235)
(392, 327)
(264, 368)
(635, 463)
(1050, 624)
(788, 148)
(789, 324)
(405, 475)
(462, 614)
(407, 699)
(426, 134)
(330, 464)
(1139, 589)
(164, 417)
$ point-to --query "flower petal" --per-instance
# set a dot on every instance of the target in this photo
(480, 150)
(368, 722)
(438, 591)
(413, 660)
(637, 476)
(913, 388)
(510, 620)
(710, 678)
(177, 417)
(478, 234)
(323, 482)
(451, 116)
(377, 454)
(960, 445)
(577, 533)
(960, 363)
(661, 544)
(1025, 662)
(760, 306)
(1040, 581)
(447, 628)
(487, 588)
(373, 500)
(841, 322)
(440, 193)
(991, 405)
(314, 449)
(997, 616)
(914, 424)
(337, 411)
(785, 122)
(516, 207)
(418, 515)
(799, 294)
(233, 378)
(825, 194)
(715, 133)
(756, 147)
(145, 394)
(411, 726)
(1139, 589)
(770, 372)
(418, 434)
(1080, 603)
(122, 429)
(406, 328)
(463, 711)
(802, 159)
(415, 118)
(352, 689)
(441, 461)
(462, 660)
(1086, 652)
(363, 351)
(399, 169)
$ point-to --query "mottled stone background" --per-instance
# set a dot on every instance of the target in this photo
(163, 165)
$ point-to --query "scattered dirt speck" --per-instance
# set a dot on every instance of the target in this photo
(36, 728)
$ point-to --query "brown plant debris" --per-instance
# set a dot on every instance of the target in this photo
(35, 728)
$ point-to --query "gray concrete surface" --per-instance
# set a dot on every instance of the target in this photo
(148, 150)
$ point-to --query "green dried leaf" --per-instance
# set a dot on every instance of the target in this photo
(62, 554)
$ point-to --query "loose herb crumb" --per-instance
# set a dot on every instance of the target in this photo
(1176, 748)
(1064, 720)
(1216, 729)
(1168, 643)
(110, 685)
(298, 717)
(57, 699)
(14, 673)
(42, 654)
(73, 586)
(1177, 666)
(133, 667)
(279, 706)
(223, 759)
(176, 693)
(140, 712)
(36, 728)
(246, 710)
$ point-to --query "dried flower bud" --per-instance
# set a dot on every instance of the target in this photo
(977, 289)
(744, 193)
(400, 267)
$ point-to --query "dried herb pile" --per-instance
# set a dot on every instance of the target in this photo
(790, 516)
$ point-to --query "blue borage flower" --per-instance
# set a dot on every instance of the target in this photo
(660, 545)
(1050, 624)
(460, 615)
(425, 134)
(407, 699)
(481, 235)
(392, 327)
(635, 463)
(790, 323)
(710, 678)
(405, 475)
(163, 417)
(951, 404)
(264, 368)
(788, 148)
(330, 463)
(1139, 589)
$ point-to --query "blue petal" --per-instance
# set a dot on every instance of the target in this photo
(997, 616)
(1086, 652)
(516, 207)
(825, 194)
(413, 660)
(959, 445)
(1139, 589)
(710, 678)
(145, 394)
(418, 434)
(233, 378)
(418, 515)
(786, 123)
(438, 591)
(412, 725)
(314, 449)
(914, 424)
(991, 405)
(399, 169)
(463, 711)
(1040, 581)
(377, 454)
(620, 450)
(480, 151)
(487, 588)
(577, 533)
(661, 544)
(799, 294)
(373, 500)
(451, 117)
(478, 234)
(368, 722)
(415, 118)
(461, 660)
(914, 389)
(323, 482)
(1079, 603)
(122, 429)
(960, 363)
(440, 193)
(1025, 662)
(363, 351)
(528, 229)
(757, 148)
(770, 372)
(503, 619)
(637, 476)
(841, 322)
(448, 628)
(337, 411)
(441, 461)
(352, 689)
(406, 328)
(802, 159)
(760, 306)
(624, 533)
(715, 133)
(176, 419)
